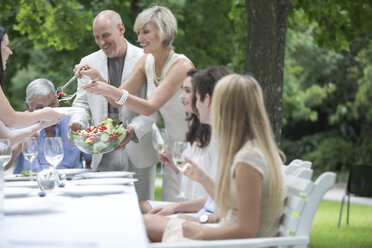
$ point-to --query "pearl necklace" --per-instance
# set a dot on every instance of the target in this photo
(158, 79)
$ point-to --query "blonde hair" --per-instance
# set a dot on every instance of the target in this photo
(164, 21)
(238, 115)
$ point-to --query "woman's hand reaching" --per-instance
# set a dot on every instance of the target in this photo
(50, 116)
(95, 87)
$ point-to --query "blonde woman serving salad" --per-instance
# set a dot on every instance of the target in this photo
(163, 71)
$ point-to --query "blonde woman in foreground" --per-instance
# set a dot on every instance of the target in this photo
(249, 188)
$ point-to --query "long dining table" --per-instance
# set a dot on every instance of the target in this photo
(87, 212)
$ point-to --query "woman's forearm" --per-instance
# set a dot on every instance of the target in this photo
(18, 135)
(191, 206)
(227, 232)
(209, 185)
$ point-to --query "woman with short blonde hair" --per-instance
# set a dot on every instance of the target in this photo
(164, 21)
(163, 71)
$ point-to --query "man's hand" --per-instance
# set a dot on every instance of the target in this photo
(87, 70)
(130, 134)
(164, 209)
(74, 126)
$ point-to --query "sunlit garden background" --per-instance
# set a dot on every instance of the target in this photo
(327, 86)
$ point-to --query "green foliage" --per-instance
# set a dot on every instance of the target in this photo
(53, 23)
(339, 22)
(329, 151)
(238, 16)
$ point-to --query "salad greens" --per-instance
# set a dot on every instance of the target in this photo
(102, 138)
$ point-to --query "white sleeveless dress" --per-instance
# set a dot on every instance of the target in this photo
(174, 120)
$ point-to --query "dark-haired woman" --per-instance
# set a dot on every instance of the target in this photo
(11, 118)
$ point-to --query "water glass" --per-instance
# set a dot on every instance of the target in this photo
(53, 151)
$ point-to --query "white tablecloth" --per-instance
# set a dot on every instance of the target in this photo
(89, 221)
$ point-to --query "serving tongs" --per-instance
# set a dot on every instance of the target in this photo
(69, 98)
(61, 88)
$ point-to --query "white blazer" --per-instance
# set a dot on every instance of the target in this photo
(142, 154)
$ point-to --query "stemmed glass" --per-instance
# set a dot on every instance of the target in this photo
(159, 141)
(181, 149)
(5, 152)
(53, 151)
(30, 150)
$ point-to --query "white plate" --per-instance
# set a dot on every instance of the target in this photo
(69, 110)
(106, 181)
(93, 190)
(16, 192)
(71, 172)
(30, 184)
(107, 174)
(28, 205)
(15, 177)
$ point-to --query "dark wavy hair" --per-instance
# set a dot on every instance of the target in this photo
(198, 132)
(2, 80)
(203, 82)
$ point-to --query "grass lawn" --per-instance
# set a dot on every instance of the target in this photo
(324, 231)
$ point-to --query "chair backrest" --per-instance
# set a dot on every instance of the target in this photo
(303, 199)
(295, 165)
(360, 180)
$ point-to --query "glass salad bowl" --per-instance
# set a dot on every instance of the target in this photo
(102, 138)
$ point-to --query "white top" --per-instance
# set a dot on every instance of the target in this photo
(172, 111)
(251, 155)
(204, 158)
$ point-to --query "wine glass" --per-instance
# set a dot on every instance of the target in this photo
(180, 150)
(5, 152)
(159, 141)
(53, 151)
(30, 150)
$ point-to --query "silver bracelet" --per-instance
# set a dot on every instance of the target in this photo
(123, 98)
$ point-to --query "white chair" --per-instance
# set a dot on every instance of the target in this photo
(294, 165)
(303, 198)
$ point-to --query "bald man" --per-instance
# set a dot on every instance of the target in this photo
(114, 61)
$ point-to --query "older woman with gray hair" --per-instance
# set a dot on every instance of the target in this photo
(163, 71)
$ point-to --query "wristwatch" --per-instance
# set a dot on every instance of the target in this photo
(203, 218)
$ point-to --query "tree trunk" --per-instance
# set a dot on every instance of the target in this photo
(267, 25)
